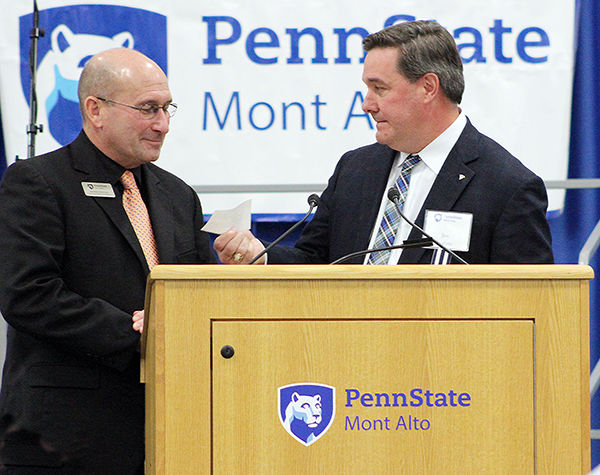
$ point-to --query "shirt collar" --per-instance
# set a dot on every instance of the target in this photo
(435, 154)
(111, 168)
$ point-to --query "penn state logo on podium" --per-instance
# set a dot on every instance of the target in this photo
(306, 410)
(73, 34)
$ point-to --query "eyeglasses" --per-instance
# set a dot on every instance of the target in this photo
(148, 111)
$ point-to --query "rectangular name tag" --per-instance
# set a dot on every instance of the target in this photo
(451, 229)
(98, 190)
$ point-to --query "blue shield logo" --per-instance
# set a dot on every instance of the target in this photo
(73, 34)
(306, 410)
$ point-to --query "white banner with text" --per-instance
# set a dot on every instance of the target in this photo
(270, 93)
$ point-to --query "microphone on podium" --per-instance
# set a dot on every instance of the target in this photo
(394, 196)
(405, 245)
(313, 202)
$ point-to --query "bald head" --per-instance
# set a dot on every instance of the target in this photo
(115, 87)
(111, 71)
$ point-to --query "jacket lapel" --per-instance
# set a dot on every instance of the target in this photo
(161, 214)
(453, 178)
(370, 189)
(87, 160)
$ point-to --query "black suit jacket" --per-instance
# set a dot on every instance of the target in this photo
(508, 203)
(72, 272)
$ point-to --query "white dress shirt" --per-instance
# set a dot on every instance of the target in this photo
(422, 177)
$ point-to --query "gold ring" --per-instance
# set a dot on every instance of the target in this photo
(238, 256)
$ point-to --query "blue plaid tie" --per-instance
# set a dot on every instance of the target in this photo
(386, 233)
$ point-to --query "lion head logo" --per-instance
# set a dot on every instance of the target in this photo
(59, 74)
(74, 33)
(306, 410)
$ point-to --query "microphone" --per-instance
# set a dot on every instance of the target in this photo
(313, 202)
(405, 245)
(394, 196)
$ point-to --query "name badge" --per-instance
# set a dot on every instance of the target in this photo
(98, 190)
(451, 229)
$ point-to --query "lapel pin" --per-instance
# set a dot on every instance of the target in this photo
(461, 177)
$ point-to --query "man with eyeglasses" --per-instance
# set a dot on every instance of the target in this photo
(80, 228)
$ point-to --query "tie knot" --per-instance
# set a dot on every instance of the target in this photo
(410, 162)
(128, 180)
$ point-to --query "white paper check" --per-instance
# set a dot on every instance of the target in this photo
(238, 217)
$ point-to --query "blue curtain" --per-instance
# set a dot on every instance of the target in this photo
(582, 207)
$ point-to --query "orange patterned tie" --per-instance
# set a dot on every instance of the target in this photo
(140, 220)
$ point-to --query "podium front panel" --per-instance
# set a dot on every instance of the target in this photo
(433, 369)
(449, 397)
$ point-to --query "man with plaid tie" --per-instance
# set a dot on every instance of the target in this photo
(80, 229)
(431, 153)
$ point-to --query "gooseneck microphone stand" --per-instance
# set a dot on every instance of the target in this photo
(33, 128)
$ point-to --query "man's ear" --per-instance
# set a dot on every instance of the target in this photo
(92, 111)
(431, 86)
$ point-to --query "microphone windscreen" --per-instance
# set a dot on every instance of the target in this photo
(314, 200)
(393, 194)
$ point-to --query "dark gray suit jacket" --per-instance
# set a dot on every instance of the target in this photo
(508, 203)
(72, 272)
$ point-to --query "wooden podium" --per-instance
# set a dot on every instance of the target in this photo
(436, 369)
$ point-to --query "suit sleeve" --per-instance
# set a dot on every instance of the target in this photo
(313, 246)
(522, 235)
(204, 252)
(34, 298)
